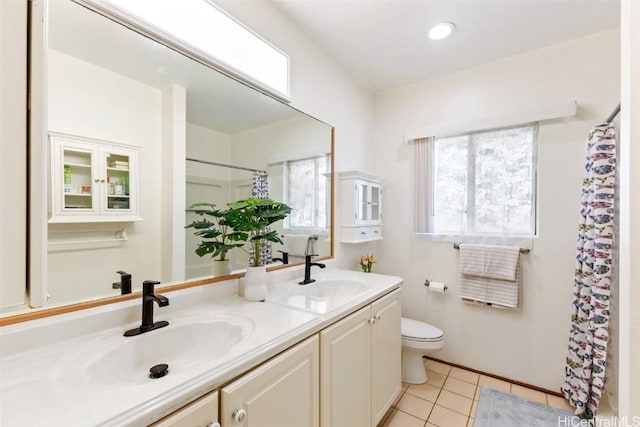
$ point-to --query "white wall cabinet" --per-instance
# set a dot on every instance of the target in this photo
(200, 413)
(92, 180)
(361, 207)
(361, 365)
(282, 392)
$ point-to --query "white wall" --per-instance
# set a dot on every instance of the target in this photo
(629, 337)
(528, 345)
(321, 88)
(90, 101)
(13, 153)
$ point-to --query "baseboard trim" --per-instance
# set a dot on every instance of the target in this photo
(520, 383)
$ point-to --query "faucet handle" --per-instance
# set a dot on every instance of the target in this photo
(147, 286)
(124, 274)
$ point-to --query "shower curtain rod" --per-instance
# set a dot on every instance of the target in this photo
(224, 165)
(613, 114)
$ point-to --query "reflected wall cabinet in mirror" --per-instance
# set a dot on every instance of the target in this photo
(116, 111)
(361, 207)
(92, 180)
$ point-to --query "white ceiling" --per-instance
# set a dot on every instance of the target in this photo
(383, 43)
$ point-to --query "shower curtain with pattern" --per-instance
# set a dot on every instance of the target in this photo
(260, 189)
(589, 332)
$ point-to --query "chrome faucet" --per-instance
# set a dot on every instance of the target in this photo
(148, 299)
(307, 269)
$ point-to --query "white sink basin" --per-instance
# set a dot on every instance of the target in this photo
(184, 344)
(322, 296)
(332, 288)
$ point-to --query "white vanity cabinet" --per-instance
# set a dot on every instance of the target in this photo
(92, 180)
(361, 365)
(200, 413)
(281, 392)
(361, 207)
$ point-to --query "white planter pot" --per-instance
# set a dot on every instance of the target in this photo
(255, 283)
(221, 268)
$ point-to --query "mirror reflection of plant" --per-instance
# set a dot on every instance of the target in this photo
(218, 237)
(252, 216)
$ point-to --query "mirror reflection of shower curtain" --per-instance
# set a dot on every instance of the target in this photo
(260, 189)
(589, 332)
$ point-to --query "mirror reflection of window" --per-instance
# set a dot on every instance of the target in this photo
(306, 191)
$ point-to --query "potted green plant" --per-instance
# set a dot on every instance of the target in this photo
(218, 237)
(253, 216)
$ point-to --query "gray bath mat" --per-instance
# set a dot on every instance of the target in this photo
(498, 408)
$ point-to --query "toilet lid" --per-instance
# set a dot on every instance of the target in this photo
(420, 331)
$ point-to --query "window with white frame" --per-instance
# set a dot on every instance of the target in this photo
(306, 192)
(481, 183)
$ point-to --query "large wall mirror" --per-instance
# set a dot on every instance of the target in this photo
(109, 84)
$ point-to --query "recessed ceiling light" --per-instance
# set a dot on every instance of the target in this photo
(441, 31)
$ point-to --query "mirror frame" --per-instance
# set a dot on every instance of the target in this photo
(37, 209)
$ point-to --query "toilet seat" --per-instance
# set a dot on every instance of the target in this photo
(416, 331)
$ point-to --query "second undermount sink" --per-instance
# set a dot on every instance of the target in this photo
(333, 288)
(184, 344)
(322, 296)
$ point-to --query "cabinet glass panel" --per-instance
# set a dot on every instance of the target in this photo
(363, 202)
(117, 167)
(375, 203)
(77, 180)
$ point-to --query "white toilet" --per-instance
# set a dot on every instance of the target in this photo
(418, 339)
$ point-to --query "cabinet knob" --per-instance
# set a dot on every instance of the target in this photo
(364, 233)
(372, 320)
(376, 232)
(212, 424)
(96, 180)
(238, 415)
(102, 180)
(377, 317)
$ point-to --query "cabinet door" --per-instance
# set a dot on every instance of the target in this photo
(375, 203)
(119, 188)
(386, 353)
(282, 392)
(201, 413)
(362, 205)
(345, 383)
(74, 178)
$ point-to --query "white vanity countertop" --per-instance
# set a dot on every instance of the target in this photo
(57, 371)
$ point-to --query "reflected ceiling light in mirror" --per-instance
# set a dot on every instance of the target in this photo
(441, 31)
(203, 26)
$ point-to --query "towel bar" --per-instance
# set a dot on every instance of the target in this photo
(522, 250)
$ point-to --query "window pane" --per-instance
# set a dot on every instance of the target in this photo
(202, 25)
(450, 184)
(504, 181)
(307, 195)
(301, 192)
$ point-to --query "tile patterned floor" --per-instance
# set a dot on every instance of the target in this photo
(450, 398)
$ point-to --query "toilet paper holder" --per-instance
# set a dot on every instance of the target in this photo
(428, 282)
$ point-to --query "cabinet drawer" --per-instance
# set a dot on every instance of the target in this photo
(361, 234)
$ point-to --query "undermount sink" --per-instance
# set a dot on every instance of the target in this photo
(331, 288)
(183, 345)
(322, 296)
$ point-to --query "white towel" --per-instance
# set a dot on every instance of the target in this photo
(490, 274)
(296, 244)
